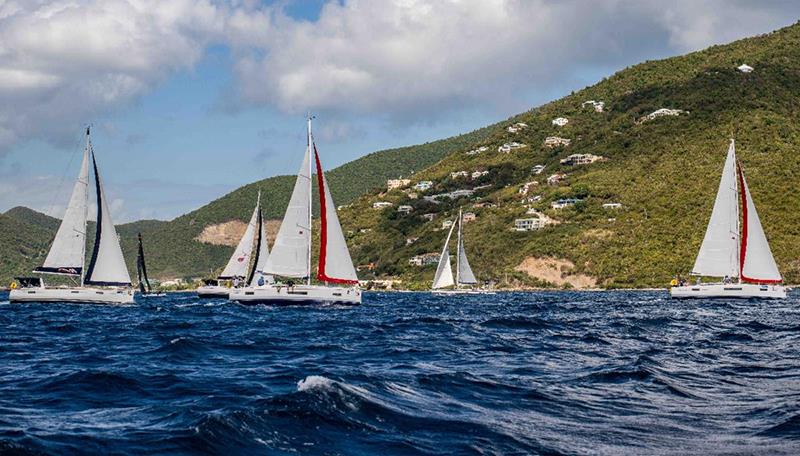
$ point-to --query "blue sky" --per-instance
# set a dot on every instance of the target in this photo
(200, 97)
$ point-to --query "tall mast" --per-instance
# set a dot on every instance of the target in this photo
(310, 198)
(458, 250)
(86, 207)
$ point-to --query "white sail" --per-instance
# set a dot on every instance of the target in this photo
(759, 264)
(719, 252)
(66, 255)
(464, 271)
(263, 256)
(444, 272)
(289, 256)
(107, 266)
(335, 264)
(239, 262)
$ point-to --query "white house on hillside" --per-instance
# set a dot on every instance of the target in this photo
(392, 184)
(555, 141)
(381, 204)
(580, 159)
(745, 68)
(560, 121)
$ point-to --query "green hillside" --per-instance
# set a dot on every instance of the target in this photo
(664, 172)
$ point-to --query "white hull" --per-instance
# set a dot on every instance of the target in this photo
(85, 295)
(213, 291)
(731, 290)
(297, 295)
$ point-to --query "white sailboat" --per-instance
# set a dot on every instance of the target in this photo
(107, 280)
(464, 277)
(291, 253)
(735, 247)
(238, 270)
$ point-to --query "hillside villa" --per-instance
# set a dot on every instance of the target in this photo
(424, 260)
(381, 204)
(745, 68)
(392, 184)
(517, 127)
(508, 147)
(580, 159)
(551, 142)
(537, 169)
(560, 121)
(478, 150)
(524, 189)
(469, 217)
(429, 217)
(612, 206)
(447, 224)
(663, 112)
(423, 186)
(564, 202)
(479, 174)
(404, 209)
(457, 174)
(555, 179)
(529, 224)
(597, 105)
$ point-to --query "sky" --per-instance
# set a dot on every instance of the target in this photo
(191, 99)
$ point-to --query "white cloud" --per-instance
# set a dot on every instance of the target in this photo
(64, 62)
(415, 59)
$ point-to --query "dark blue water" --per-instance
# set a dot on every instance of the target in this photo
(523, 373)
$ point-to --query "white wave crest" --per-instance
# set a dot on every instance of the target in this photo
(314, 382)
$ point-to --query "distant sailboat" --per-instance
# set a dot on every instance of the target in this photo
(141, 269)
(107, 280)
(252, 248)
(464, 277)
(291, 253)
(735, 247)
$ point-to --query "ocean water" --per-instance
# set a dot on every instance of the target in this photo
(405, 373)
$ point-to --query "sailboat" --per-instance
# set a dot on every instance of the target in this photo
(252, 248)
(141, 270)
(464, 276)
(107, 280)
(291, 253)
(735, 247)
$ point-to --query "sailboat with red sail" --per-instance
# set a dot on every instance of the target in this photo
(735, 248)
(291, 255)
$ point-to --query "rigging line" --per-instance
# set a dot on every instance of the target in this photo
(56, 192)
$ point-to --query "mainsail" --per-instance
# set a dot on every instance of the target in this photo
(290, 252)
(444, 272)
(107, 266)
(719, 252)
(464, 273)
(66, 255)
(335, 264)
(756, 260)
(141, 269)
(239, 262)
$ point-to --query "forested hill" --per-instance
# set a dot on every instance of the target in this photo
(662, 170)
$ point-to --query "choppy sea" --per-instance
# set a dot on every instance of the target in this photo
(405, 373)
